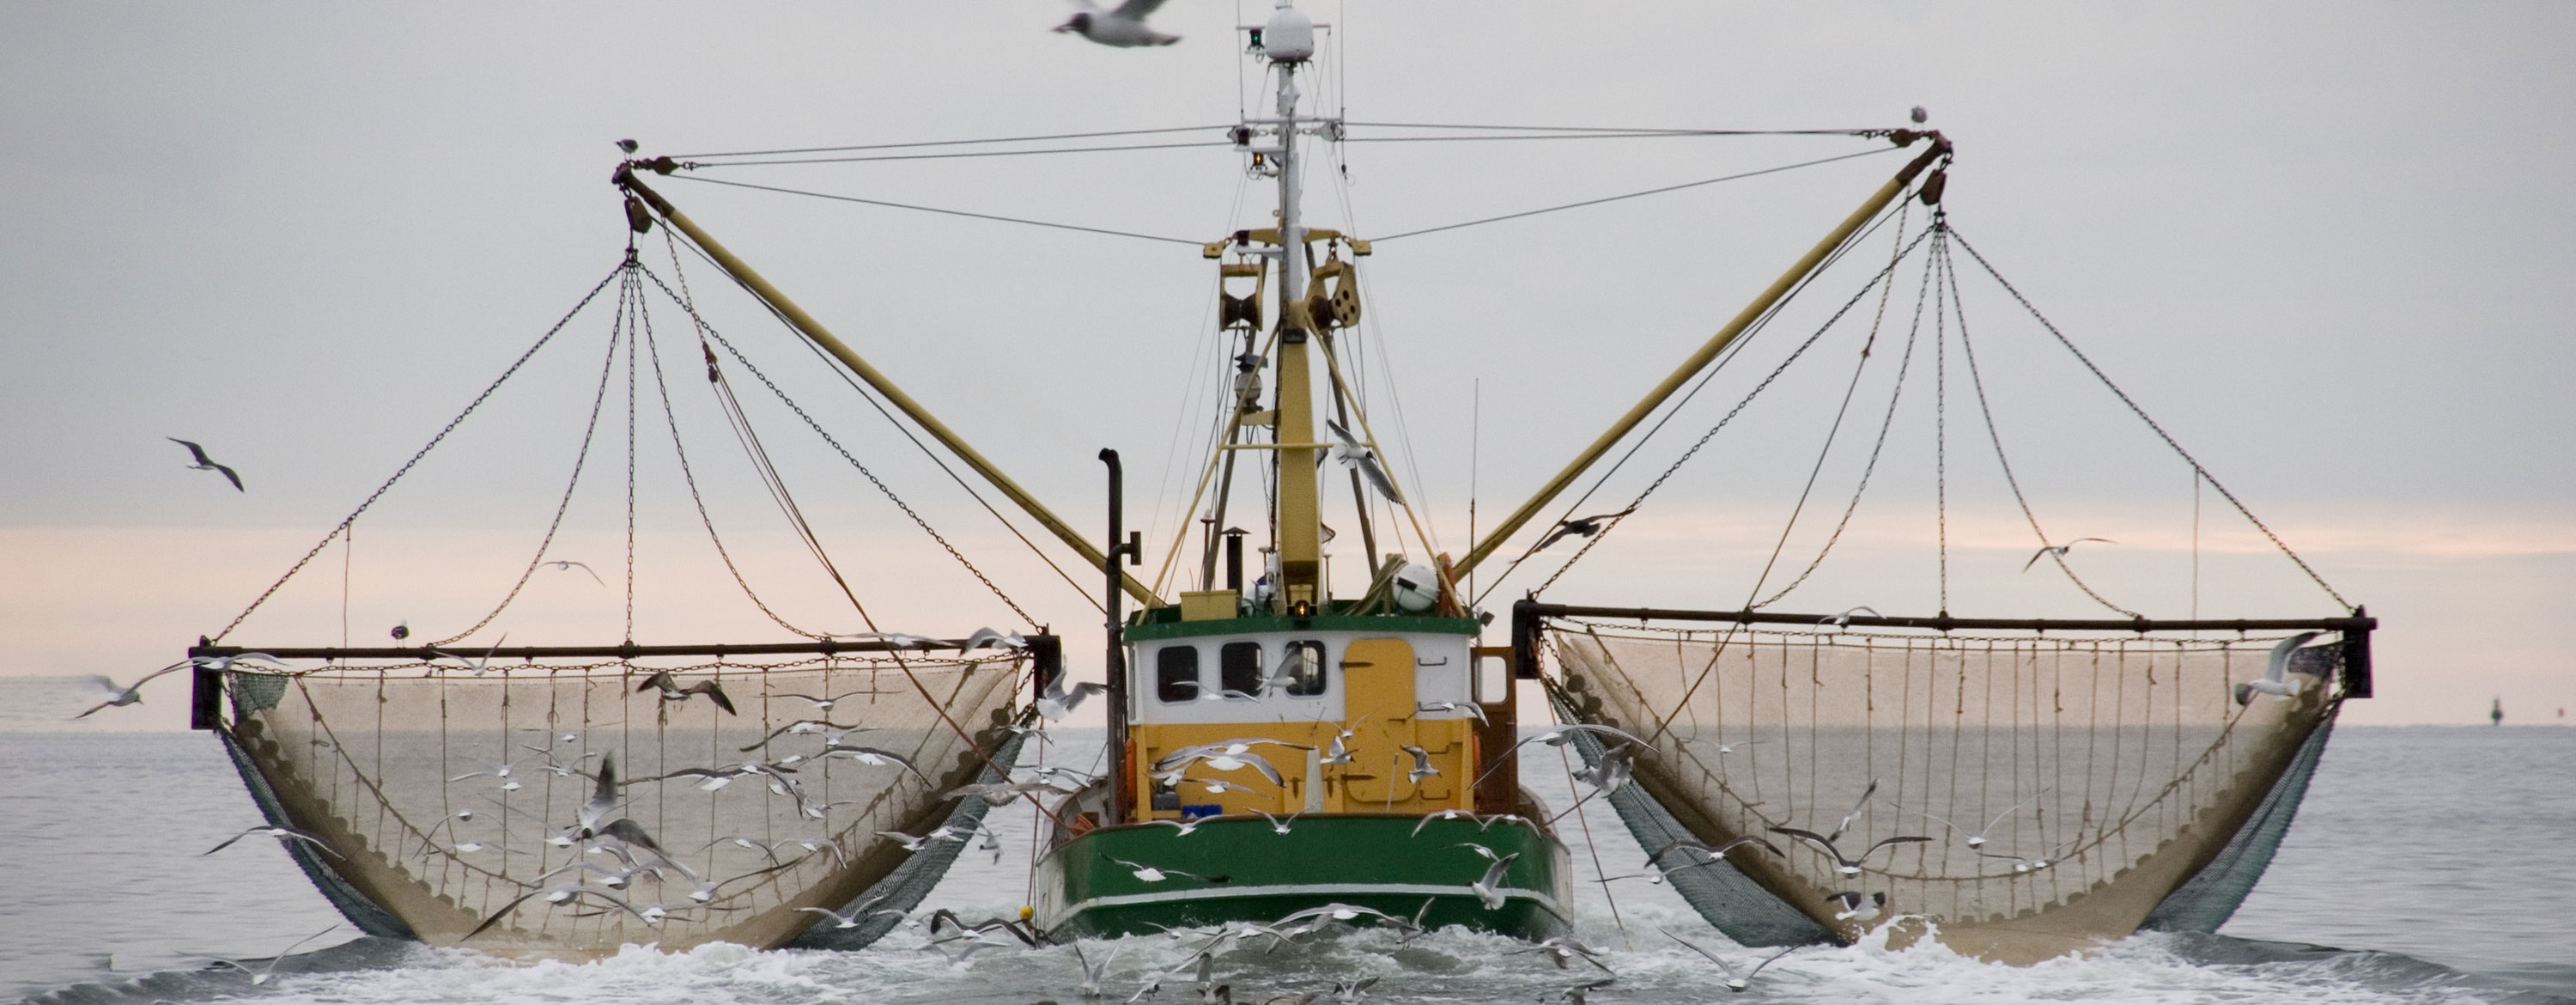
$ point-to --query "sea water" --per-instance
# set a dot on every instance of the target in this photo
(2437, 863)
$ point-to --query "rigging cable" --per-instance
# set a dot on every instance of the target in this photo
(952, 143)
(833, 366)
(693, 165)
(944, 212)
(1904, 366)
(345, 523)
(787, 505)
(2159, 430)
(1968, 352)
(1729, 417)
(1732, 350)
(726, 392)
(1633, 195)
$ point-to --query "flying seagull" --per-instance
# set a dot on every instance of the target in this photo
(567, 565)
(1847, 866)
(2276, 681)
(672, 691)
(1352, 454)
(1736, 980)
(478, 666)
(1854, 906)
(1122, 26)
(1485, 888)
(1585, 526)
(260, 974)
(1977, 839)
(206, 464)
(1151, 874)
(2059, 550)
(1842, 620)
(282, 834)
(1056, 702)
(129, 694)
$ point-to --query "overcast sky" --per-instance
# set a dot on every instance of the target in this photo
(2328, 246)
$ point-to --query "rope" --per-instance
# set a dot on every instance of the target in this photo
(954, 143)
(978, 153)
(1723, 421)
(1904, 365)
(946, 212)
(689, 304)
(1968, 351)
(726, 394)
(2142, 415)
(690, 478)
(1633, 195)
(345, 522)
(1639, 130)
(581, 458)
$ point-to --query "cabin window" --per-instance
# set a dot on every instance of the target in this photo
(1238, 668)
(1176, 673)
(1303, 665)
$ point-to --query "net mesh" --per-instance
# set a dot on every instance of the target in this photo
(443, 796)
(2067, 783)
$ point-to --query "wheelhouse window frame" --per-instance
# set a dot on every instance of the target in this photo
(1307, 668)
(1171, 687)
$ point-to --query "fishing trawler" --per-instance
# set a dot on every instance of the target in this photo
(1276, 748)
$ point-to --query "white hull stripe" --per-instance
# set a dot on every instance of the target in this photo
(1309, 890)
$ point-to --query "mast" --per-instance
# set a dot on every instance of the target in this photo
(1288, 40)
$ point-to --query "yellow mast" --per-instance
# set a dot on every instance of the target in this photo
(1717, 343)
(806, 325)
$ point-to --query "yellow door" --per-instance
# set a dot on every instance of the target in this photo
(1377, 694)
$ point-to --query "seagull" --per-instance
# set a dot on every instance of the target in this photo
(1713, 855)
(1122, 27)
(564, 893)
(566, 565)
(2020, 864)
(1056, 702)
(1485, 891)
(500, 771)
(1468, 707)
(832, 732)
(1352, 454)
(1978, 838)
(630, 145)
(1152, 874)
(1617, 766)
(1575, 995)
(2276, 681)
(1222, 760)
(128, 694)
(672, 691)
(987, 638)
(1919, 115)
(1278, 826)
(876, 758)
(1847, 866)
(282, 834)
(259, 975)
(1853, 906)
(1842, 620)
(911, 843)
(1578, 527)
(478, 666)
(204, 464)
(1727, 748)
(1001, 793)
(402, 630)
(1562, 950)
(850, 918)
(1736, 980)
(1186, 827)
(1091, 972)
(2059, 550)
(1421, 763)
(822, 702)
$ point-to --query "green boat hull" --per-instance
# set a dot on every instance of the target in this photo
(1241, 869)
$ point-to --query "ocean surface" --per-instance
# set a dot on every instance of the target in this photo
(2429, 865)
